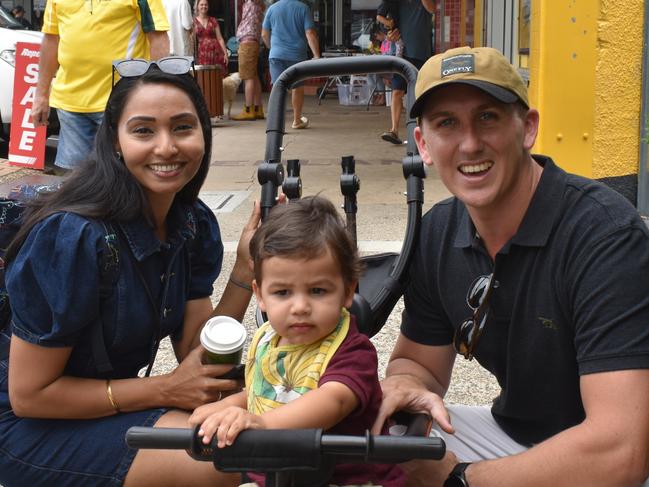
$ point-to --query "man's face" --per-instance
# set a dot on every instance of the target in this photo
(478, 144)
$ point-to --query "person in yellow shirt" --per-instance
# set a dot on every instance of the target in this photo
(82, 38)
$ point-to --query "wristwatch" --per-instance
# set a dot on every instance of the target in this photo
(456, 478)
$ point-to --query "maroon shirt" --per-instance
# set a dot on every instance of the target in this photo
(355, 364)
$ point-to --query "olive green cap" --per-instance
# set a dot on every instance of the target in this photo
(483, 67)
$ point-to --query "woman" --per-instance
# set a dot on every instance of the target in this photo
(211, 48)
(66, 422)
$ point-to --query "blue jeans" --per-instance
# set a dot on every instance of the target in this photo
(68, 453)
(278, 66)
(77, 137)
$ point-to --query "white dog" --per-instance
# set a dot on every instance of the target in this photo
(230, 86)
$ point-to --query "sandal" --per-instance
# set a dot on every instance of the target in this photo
(302, 124)
(391, 137)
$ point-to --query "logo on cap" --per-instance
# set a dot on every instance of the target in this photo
(462, 63)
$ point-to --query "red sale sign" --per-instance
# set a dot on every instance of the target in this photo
(26, 142)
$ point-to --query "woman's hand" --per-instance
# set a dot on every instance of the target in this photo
(193, 383)
(405, 392)
(242, 267)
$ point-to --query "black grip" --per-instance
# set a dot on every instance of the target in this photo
(160, 438)
(396, 449)
(383, 449)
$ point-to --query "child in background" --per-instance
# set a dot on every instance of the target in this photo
(308, 366)
(387, 14)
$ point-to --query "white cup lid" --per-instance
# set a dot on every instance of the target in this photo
(223, 334)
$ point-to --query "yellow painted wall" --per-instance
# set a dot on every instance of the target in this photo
(618, 88)
(585, 79)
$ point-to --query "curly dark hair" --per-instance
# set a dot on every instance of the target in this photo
(306, 228)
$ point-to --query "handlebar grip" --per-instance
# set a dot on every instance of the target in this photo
(160, 438)
(396, 449)
(383, 449)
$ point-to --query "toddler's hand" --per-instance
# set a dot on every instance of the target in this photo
(203, 412)
(227, 425)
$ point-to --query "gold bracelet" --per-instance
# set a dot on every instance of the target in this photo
(111, 399)
(240, 284)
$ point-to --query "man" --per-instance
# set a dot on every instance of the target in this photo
(542, 276)
(286, 31)
(81, 41)
(415, 29)
(248, 35)
(181, 22)
(19, 14)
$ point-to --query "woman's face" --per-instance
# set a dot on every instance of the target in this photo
(161, 140)
(203, 6)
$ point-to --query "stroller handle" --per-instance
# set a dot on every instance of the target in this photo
(276, 450)
(333, 67)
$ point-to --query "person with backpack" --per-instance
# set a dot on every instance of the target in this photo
(121, 256)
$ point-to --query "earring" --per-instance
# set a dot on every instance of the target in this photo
(119, 155)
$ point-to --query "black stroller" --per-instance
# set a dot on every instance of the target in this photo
(307, 457)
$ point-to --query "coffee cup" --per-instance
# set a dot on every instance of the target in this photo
(223, 339)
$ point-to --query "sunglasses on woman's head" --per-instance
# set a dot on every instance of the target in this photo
(466, 336)
(128, 68)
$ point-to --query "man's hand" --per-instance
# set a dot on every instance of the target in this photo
(406, 392)
(40, 110)
(47, 66)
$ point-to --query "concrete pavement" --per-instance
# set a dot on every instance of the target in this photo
(334, 131)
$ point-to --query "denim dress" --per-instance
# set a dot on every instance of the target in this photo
(54, 287)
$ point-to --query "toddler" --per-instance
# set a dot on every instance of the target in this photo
(308, 366)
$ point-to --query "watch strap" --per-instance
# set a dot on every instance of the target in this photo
(458, 473)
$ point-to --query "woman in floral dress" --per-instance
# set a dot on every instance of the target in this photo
(210, 44)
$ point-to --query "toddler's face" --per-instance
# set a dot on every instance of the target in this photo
(302, 297)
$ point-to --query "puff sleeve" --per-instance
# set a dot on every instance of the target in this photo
(53, 282)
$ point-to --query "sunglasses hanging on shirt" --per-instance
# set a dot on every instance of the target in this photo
(467, 334)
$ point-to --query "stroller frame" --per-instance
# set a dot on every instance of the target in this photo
(380, 289)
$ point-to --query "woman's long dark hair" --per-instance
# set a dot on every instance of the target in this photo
(102, 187)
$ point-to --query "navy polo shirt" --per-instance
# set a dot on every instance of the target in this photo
(572, 297)
(55, 278)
